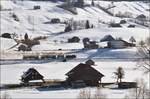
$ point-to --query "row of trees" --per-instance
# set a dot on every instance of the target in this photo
(142, 43)
(74, 25)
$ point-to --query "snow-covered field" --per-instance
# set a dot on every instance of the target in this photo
(33, 22)
(57, 70)
(65, 93)
(10, 74)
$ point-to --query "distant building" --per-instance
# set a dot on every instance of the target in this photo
(24, 47)
(6, 35)
(90, 62)
(55, 20)
(84, 73)
(115, 25)
(141, 17)
(119, 44)
(36, 7)
(76, 3)
(31, 74)
(107, 38)
(131, 26)
(74, 39)
(91, 45)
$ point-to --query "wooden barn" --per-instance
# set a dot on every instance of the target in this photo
(107, 38)
(74, 39)
(84, 73)
(31, 74)
(24, 47)
(55, 20)
(141, 17)
(119, 44)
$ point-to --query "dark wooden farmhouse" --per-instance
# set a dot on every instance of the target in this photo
(55, 20)
(84, 73)
(74, 39)
(131, 26)
(90, 45)
(141, 17)
(115, 25)
(119, 44)
(6, 35)
(31, 74)
(24, 47)
(107, 38)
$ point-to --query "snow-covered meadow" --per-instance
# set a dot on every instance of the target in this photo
(10, 74)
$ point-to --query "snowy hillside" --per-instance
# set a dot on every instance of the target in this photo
(29, 17)
(33, 21)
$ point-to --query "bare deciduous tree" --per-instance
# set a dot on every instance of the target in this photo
(140, 92)
(119, 74)
(84, 94)
(98, 94)
(5, 96)
(144, 53)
